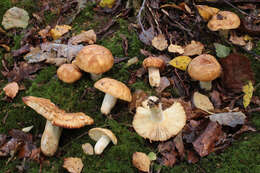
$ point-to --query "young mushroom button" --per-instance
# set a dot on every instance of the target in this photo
(94, 59)
(69, 73)
(114, 90)
(151, 122)
(204, 68)
(103, 138)
(56, 120)
(154, 65)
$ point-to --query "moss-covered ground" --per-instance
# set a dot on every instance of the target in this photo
(242, 157)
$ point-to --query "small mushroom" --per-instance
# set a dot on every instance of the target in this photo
(11, 89)
(87, 148)
(141, 161)
(56, 120)
(94, 59)
(151, 122)
(154, 65)
(103, 138)
(224, 20)
(69, 73)
(204, 68)
(73, 164)
(114, 90)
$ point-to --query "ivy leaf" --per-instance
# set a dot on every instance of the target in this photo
(221, 50)
(248, 90)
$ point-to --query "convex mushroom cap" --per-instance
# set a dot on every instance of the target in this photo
(114, 90)
(224, 20)
(141, 161)
(103, 138)
(69, 73)
(151, 122)
(204, 68)
(154, 65)
(56, 120)
(94, 59)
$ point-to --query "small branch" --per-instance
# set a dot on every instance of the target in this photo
(254, 110)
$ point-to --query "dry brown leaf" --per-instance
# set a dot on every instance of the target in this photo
(73, 164)
(169, 158)
(59, 31)
(44, 33)
(141, 161)
(192, 157)
(159, 42)
(7, 48)
(194, 48)
(237, 40)
(185, 7)
(85, 36)
(231, 119)
(202, 102)
(206, 12)
(164, 83)
(11, 89)
(174, 48)
(56, 61)
(179, 145)
(138, 97)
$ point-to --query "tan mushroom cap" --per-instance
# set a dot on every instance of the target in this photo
(94, 59)
(97, 133)
(55, 115)
(153, 62)
(141, 161)
(69, 73)
(204, 68)
(114, 88)
(174, 119)
(224, 20)
(73, 164)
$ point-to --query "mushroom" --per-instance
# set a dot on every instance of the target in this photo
(204, 68)
(141, 161)
(114, 90)
(94, 59)
(154, 65)
(151, 122)
(56, 120)
(103, 138)
(69, 73)
(224, 20)
(73, 164)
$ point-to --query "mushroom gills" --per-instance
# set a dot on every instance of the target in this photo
(95, 77)
(50, 139)
(101, 144)
(154, 76)
(206, 85)
(108, 103)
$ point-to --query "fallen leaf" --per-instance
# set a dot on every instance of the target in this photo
(132, 61)
(141, 161)
(7, 48)
(59, 31)
(137, 98)
(180, 62)
(73, 164)
(107, 3)
(44, 33)
(237, 40)
(236, 72)
(56, 61)
(147, 36)
(231, 119)
(164, 83)
(85, 36)
(174, 48)
(206, 12)
(249, 45)
(87, 149)
(159, 42)
(185, 7)
(169, 158)
(244, 128)
(11, 89)
(215, 98)
(3, 138)
(205, 143)
(11, 146)
(248, 89)
(165, 146)
(179, 145)
(202, 102)
(152, 156)
(221, 50)
(192, 157)
(27, 129)
(194, 48)
(36, 55)
(23, 50)
(15, 18)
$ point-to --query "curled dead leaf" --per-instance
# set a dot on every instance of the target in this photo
(85, 36)
(174, 48)
(231, 119)
(159, 42)
(202, 102)
(237, 40)
(194, 48)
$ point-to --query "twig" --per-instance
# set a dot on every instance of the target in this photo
(139, 18)
(254, 110)
(238, 9)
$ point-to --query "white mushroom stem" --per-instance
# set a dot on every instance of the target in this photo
(95, 77)
(108, 103)
(156, 112)
(154, 76)
(101, 144)
(50, 139)
(206, 85)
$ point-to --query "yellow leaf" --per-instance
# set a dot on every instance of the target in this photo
(107, 3)
(206, 12)
(248, 90)
(180, 62)
(59, 30)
